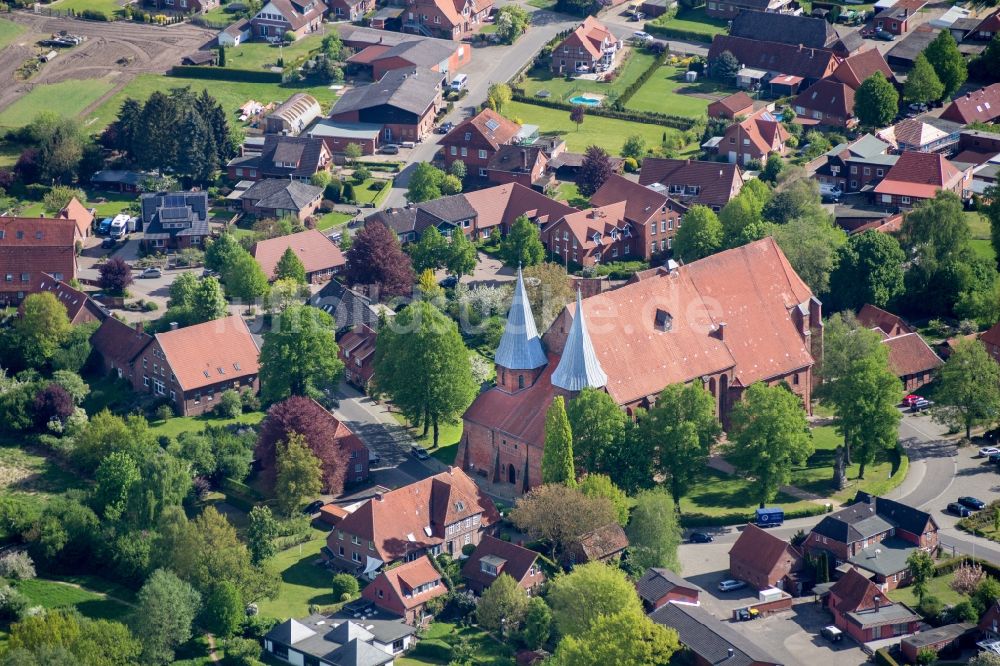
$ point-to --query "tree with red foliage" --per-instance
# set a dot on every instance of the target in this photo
(27, 167)
(595, 169)
(53, 402)
(116, 275)
(376, 258)
(307, 418)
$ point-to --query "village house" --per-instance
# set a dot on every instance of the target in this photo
(662, 586)
(856, 69)
(981, 105)
(778, 61)
(918, 176)
(493, 557)
(895, 20)
(764, 561)
(866, 613)
(989, 623)
(278, 17)
(350, 10)
(711, 641)
(32, 251)
(182, 6)
(855, 166)
(754, 138)
(691, 182)
(337, 136)
(83, 216)
(604, 544)
(650, 213)
(754, 294)
(445, 19)
(911, 134)
(475, 141)
(526, 165)
(794, 30)
(588, 237)
(589, 48)
(439, 514)
(983, 31)
(944, 641)
(405, 590)
(118, 180)
(350, 444)
(80, 308)
(319, 255)
(378, 51)
(827, 103)
(404, 102)
(347, 307)
(118, 345)
(283, 157)
(340, 639)
(910, 357)
(731, 107)
(174, 220)
(280, 198)
(875, 534)
(727, 9)
(357, 351)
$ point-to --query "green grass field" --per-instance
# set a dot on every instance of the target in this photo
(667, 92)
(817, 475)
(26, 473)
(936, 587)
(718, 494)
(570, 193)
(562, 88)
(302, 583)
(608, 133)
(256, 56)
(980, 228)
(331, 220)
(230, 94)
(693, 20)
(449, 435)
(175, 426)
(9, 32)
(486, 650)
(52, 594)
(108, 7)
(66, 98)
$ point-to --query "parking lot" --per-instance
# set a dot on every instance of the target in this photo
(794, 637)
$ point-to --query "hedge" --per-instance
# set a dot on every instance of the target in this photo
(224, 74)
(739, 518)
(676, 122)
(432, 648)
(228, 485)
(949, 565)
(645, 76)
(678, 33)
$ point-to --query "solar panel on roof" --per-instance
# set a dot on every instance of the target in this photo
(173, 213)
(492, 124)
(173, 200)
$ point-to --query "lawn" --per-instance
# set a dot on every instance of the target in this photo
(667, 92)
(448, 436)
(256, 56)
(107, 7)
(229, 93)
(693, 20)
(570, 193)
(178, 424)
(485, 649)
(52, 594)
(608, 133)
(24, 472)
(107, 204)
(9, 32)
(562, 88)
(66, 98)
(716, 494)
(543, 4)
(980, 228)
(331, 220)
(817, 475)
(368, 191)
(936, 587)
(302, 583)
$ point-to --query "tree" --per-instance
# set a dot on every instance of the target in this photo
(206, 303)
(523, 245)
(724, 68)
(511, 22)
(560, 514)
(876, 102)
(345, 587)
(947, 61)
(811, 244)
(601, 485)
(699, 236)
(430, 251)
(290, 267)
(375, 258)
(298, 475)
(115, 275)
(772, 168)
(224, 611)
(41, 328)
(679, 431)
(968, 392)
(106, 433)
(869, 269)
(429, 289)
(557, 456)
(634, 147)
(549, 290)
(985, 659)
(594, 171)
(245, 279)
(538, 624)
(165, 608)
(576, 115)
(739, 218)
(116, 476)
(922, 83)
(63, 636)
(221, 253)
(59, 197)
(768, 436)
(654, 531)
(423, 365)
(620, 638)
(499, 96)
(589, 591)
(502, 606)
(457, 168)
(920, 565)
(299, 355)
(303, 416)
(596, 422)
(261, 532)
(425, 183)
(53, 403)
(987, 65)
(461, 257)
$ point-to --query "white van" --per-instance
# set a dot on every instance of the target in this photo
(119, 226)
(458, 83)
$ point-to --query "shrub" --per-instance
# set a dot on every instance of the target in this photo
(361, 174)
(930, 607)
(432, 649)
(150, 306)
(345, 587)
(230, 404)
(164, 412)
(251, 403)
(347, 194)
(13, 604)
(17, 565)
(468, 549)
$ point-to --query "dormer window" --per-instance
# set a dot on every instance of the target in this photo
(597, 237)
(663, 321)
(614, 234)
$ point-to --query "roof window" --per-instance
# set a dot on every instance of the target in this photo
(664, 321)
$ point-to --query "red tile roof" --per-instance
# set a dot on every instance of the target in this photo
(118, 341)
(717, 182)
(585, 224)
(734, 105)
(910, 355)
(211, 352)
(991, 336)
(369, 54)
(982, 105)
(856, 593)
(830, 97)
(501, 205)
(810, 63)
(919, 175)
(80, 307)
(402, 580)
(33, 247)
(79, 213)
(591, 34)
(759, 550)
(854, 70)
(870, 316)
(765, 131)
(517, 560)
(641, 203)
(314, 250)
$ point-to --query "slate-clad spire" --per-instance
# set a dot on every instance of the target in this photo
(520, 347)
(579, 368)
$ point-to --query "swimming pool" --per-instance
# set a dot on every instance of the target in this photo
(585, 100)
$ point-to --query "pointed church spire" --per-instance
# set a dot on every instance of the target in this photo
(520, 347)
(579, 368)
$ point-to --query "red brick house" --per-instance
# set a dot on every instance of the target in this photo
(83, 216)
(404, 102)
(777, 59)
(277, 198)
(896, 19)
(438, 514)
(763, 560)
(765, 325)
(286, 157)
(445, 19)
(731, 107)
(357, 351)
(475, 141)
(352, 445)
(592, 236)
(406, 589)
(950, 637)
(80, 308)
(917, 176)
(857, 68)
(827, 103)
(989, 623)
(31, 250)
(691, 182)
(652, 217)
(319, 255)
(498, 207)
(981, 105)
(589, 47)
(910, 357)
(527, 165)
(493, 557)
(183, 6)
(866, 613)
(754, 138)
(662, 586)
(991, 340)
(350, 10)
(855, 165)
(118, 345)
(280, 16)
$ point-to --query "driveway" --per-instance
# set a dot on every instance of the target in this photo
(794, 638)
(489, 271)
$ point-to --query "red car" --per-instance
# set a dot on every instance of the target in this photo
(911, 400)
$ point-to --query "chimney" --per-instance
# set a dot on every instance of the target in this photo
(524, 159)
(876, 598)
(731, 653)
(138, 328)
(378, 496)
(720, 330)
(174, 326)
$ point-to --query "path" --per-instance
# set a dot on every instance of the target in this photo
(212, 654)
(103, 595)
(721, 464)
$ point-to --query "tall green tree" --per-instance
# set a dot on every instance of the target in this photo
(423, 365)
(679, 431)
(601, 485)
(290, 267)
(165, 609)
(461, 257)
(921, 568)
(811, 244)
(299, 355)
(968, 392)
(560, 514)
(769, 435)
(947, 61)
(557, 456)
(922, 83)
(620, 638)
(41, 329)
(430, 251)
(700, 234)
(221, 253)
(425, 183)
(523, 245)
(578, 599)
(116, 475)
(654, 532)
(499, 96)
(597, 422)
(245, 279)
(63, 636)
(502, 606)
(869, 269)
(876, 102)
(224, 611)
(261, 533)
(538, 624)
(208, 302)
(299, 474)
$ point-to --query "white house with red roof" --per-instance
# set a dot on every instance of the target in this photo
(590, 47)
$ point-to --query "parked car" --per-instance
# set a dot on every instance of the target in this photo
(641, 36)
(313, 507)
(832, 634)
(151, 273)
(729, 585)
(108, 243)
(829, 192)
(995, 458)
(885, 36)
(920, 405)
(450, 282)
(700, 537)
(988, 451)
(958, 510)
(419, 452)
(390, 149)
(917, 108)
(208, 272)
(972, 503)
(582, 69)
(444, 128)
(910, 399)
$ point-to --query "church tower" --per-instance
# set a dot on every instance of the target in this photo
(579, 367)
(519, 358)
